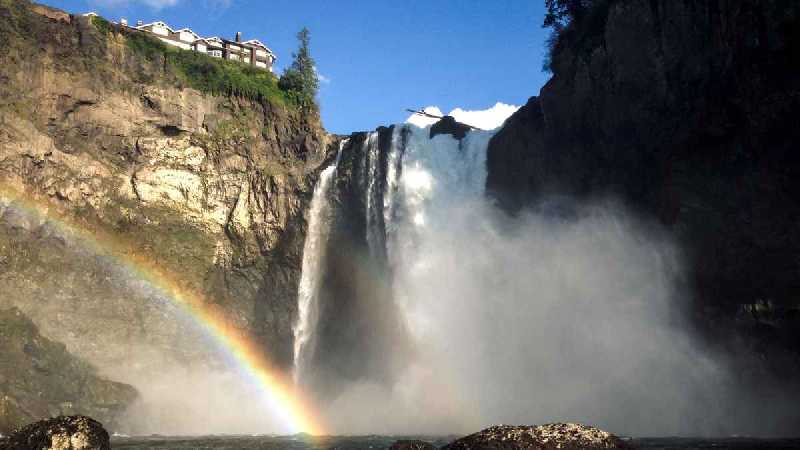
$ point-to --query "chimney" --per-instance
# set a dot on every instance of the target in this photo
(139, 23)
(239, 36)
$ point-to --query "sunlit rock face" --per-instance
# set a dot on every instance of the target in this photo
(211, 190)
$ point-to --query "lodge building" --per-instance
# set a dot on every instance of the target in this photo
(252, 52)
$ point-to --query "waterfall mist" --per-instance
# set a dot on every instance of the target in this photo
(570, 312)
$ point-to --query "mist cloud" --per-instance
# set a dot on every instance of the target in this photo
(541, 319)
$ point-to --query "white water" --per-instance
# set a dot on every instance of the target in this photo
(313, 266)
(372, 170)
(528, 320)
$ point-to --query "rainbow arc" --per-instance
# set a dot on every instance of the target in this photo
(278, 388)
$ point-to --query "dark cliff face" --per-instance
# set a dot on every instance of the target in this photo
(686, 110)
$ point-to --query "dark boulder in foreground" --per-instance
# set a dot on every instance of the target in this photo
(60, 433)
(563, 436)
(412, 445)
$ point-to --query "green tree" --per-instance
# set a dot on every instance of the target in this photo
(300, 80)
(561, 12)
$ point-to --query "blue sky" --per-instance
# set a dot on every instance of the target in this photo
(377, 57)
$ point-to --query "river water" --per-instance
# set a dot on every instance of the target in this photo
(384, 442)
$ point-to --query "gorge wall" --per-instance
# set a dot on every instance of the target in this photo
(687, 111)
(210, 188)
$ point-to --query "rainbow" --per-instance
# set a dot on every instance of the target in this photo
(279, 390)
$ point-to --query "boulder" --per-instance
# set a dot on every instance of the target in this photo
(449, 125)
(563, 436)
(412, 445)
(60, 433)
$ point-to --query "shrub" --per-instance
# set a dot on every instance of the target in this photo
(102, 25)
(146, 46)
(207, 74)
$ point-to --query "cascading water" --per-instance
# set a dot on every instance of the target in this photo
(424, 297)
(313, 266)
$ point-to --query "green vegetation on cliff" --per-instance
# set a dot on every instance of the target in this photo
(212, 75)
(102, 25)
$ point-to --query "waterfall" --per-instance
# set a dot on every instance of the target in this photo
(391, 183)
(372, 193)
(417, 294)
(427, 174)
(313, 265)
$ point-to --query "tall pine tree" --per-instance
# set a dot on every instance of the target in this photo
(300, 79)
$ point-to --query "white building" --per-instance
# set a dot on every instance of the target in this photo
(252, 52)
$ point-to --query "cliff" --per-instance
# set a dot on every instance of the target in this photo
(119, 137)
(686, 110)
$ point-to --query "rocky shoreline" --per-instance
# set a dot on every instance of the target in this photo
(83, 433)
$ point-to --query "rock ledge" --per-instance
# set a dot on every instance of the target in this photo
(563, 436)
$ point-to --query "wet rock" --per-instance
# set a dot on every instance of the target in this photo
(60, 433)
(449, 125)
(412, 445)
(564, 436)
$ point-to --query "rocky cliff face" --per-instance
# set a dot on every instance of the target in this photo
(210, 188)
(687, 111)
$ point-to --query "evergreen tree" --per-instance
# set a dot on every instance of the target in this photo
(561, 12)
(300, 79)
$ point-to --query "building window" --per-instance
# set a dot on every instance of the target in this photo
(215, 53)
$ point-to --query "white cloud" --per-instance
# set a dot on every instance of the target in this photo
(154, 4)
(159, 4)
(424, 121)
(487, 119)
